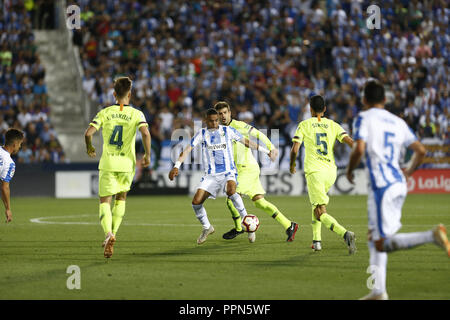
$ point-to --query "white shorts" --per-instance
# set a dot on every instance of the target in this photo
(385, 210)
(213, 184)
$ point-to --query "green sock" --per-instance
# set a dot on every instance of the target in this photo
(273, 211)
(105, 217)
(235, 215)
(117, 215)
(332, 224)
(316, 228)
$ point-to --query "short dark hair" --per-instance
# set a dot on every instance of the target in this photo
(211, 112)
(317, 103)
(121, 87)
(222, 104)
(13, 135)
(373, 92)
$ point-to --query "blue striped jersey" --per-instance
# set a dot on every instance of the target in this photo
(7, 166)
(217, 148)
(385, 135)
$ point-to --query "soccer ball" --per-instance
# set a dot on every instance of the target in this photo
(250, 223)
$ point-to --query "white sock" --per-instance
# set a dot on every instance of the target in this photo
(378, 265)
(402, 241)
(201, 215)
(238, 204)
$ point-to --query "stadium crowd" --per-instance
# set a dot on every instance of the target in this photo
(23, 93)
(266, 57)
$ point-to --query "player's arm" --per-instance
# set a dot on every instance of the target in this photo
(355, 158)
(294, 151)
(6, 200)
(147, 142)
(90, 150)
(174, 172)
(348, 141)
(417, 158)
(252, 145)
(273, 152)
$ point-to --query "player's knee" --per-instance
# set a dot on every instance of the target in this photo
(319, 210)
(379, 245)
(196, 202)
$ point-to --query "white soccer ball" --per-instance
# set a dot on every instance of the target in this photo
(250, 223)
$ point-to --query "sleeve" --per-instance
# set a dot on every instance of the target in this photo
(298, 136)
(359, 129)
(197, 138)
(261, 137)
(141, 120)
(235, 135)
(97, 122)
(340, 132)
(8, 172)
(410, 137)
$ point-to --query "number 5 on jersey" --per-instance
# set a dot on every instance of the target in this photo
(116, 137)
(323, 143)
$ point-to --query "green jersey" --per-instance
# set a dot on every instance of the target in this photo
(119, 137)
(319, 138)
(243, 156)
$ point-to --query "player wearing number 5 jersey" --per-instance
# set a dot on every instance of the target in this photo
(319, 136)
(381, 136)
(119, 123)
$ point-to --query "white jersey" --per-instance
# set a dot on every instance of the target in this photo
(217, 148)
(385, 136)
(7, 166)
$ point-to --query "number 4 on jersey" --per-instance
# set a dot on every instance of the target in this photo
(116, 137)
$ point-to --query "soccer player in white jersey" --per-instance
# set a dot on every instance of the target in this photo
(13, 142)
(220, 169)
(380, 136)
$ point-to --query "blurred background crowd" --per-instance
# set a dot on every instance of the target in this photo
(23, 93)
(264, 57)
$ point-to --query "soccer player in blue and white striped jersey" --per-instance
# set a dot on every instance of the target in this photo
(220, 169)
(381, 136)
(13, 142)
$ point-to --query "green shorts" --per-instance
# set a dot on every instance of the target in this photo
(248, 181)
(111, 183)
(319, 183)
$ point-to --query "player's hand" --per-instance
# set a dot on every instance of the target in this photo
(406, 173)
(8, 214)
(146, 160)
(292, 169)
(91, 152)
(273, 154)
(350, 177)
(173, 173)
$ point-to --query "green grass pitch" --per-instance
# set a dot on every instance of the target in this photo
(156, 255)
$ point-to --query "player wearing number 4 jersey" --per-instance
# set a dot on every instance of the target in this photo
(319, 135)
(119, 123)
(381, 136)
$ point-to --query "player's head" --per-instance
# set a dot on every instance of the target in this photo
(212, 119)
(317, 104)
(224, 111)
(122, 88)
(13, 140)
(373, 93)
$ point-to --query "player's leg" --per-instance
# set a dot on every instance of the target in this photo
(235, 197)
(123, 181)
(200, 212)
(318, 185)
(377, 268)
(118, 211)
(290, 227)
(317, 232)
(390, 204)
(237, 230)
(106, 190)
